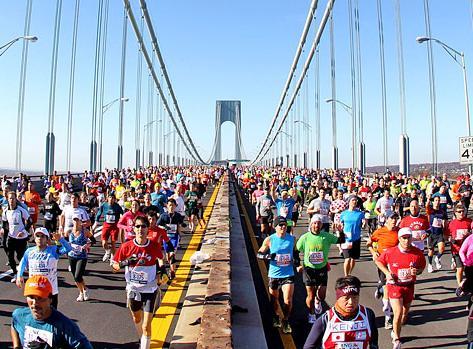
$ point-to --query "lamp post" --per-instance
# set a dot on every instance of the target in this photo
(145, 126)
(5, 47)
(459, 58)
(290, 140)
(306, 146)
(349, 110)
(105, 108)
(165, 137)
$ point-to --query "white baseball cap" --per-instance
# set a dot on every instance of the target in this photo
(42, 230)
(404, 232)
(316, 218)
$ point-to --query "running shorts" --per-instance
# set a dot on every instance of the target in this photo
(146, 303)
(354, 251)
(276, 283)
(110, 231)
(433, 240)
(174, 241)
(458, 260)
(406, 293)
(315, 277)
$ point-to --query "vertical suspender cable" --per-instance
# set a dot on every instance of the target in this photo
(383, 84)
(93, 142)
(102, 81)
(50, 140)
(360, 143)
(121, 110)
(139, 73)
(433, 109)
(71, 85)
(21, 93)
(353, 86)
(317, 110)
(334, 96)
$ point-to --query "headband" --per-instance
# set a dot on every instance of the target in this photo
(347, 291)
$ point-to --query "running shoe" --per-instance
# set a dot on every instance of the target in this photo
(86, 295)
(396, 344)
(430, 268)
(69, 268)
(318, 308)
(276, 321)
(311, 318)
(286, 328)
(459, 292)
(13, 280)
(453, 265)
(388, 323)
(80, 298)
(106, 256)
(438, 265)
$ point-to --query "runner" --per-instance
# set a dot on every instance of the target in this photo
(401, 265)
(126, 222)
(321, 206)
(16, 225)
(384, 206)
(438, 221)
(51, 212)
(265, 207)
(32, 200)
(138, 256)
(370, 214)
(40, 325)
(418, 223)
(279, 248)
(192, 206)
(42, 259)
(111, 211)
(315, 246)
(284, 207)
(347, 324)
(352, 220)
(384, 238)
(80, 245)
(66, 223)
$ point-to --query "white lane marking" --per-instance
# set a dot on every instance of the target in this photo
(7, 273)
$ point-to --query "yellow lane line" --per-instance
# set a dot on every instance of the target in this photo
(287, 340)
(165, 314)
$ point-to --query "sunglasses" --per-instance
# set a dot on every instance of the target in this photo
(460, 211)
(282, 224)
(141, 226)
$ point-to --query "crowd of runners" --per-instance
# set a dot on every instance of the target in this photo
(138, 216)
(397, 218)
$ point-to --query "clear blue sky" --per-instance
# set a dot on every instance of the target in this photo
(234, 50)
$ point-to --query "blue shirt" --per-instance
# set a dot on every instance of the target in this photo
(284, 207)
(352, 221)
(435, 219)
(78, 245)
(283, 247)
(57, 330)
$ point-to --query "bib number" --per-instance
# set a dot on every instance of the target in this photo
(284, 211)
(283, 260)
(460, 234)
(437, 222)
(404, 275)
(347, 246)
(316, 257)
(138, 277)
(48, 216)
(110, 218)
(31, 210)
(349, 345)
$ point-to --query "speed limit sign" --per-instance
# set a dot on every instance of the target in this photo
(466, 150)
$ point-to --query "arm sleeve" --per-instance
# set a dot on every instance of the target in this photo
(374, 330)
(314, 339)
(65, 247)
(23, 264)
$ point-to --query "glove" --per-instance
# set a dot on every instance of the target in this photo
(129, 261)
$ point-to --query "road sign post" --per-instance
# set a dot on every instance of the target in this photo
(465, 151)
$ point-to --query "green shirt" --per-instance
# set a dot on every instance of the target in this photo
(316, 248)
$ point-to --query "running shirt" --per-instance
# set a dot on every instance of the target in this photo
(79, 245)
(16, 220)
(141, 276)
(322, 207)
(285, 207)
(316, 248)
(400, 263)
(69, 212)
(385, 238)
(436, 220)
(172, 221)
(264, 206)
(159, 236)
(111, 213)
(385, 205)
(57, 331)
(126, 223)
(337, 206)
(458, 230)
(283, 247)
(44, 262)
(352, 221)
(419, 226)
(51, 211)
(369, 207)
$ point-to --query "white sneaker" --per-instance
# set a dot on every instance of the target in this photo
(86, 295)
(317, 308)
(80, 298)
(430, 268)
(13, 280)
(106, 256)
(453, 265)
(69, 268)
(438, 265)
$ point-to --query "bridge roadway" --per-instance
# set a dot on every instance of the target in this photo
(437, 318)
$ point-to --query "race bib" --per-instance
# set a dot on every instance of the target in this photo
(36, 336)
(38, 267)
(31, 210)
(417, 234)
(367, 215)
(347, 245)
(460, 234)
(437, 222)
(266, 202)
(48, 216)
(283, 260)
(77, 249)
(443, 199)
(323, 211)
(284, 211)
(110, 218)
(404, 275)
(138, 277)
(316, 257)
(172, 229)
(349, 345)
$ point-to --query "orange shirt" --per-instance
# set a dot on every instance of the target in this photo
(32, 198)
(385, 238)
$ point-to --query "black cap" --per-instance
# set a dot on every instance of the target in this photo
(393, 215)
(279, 219)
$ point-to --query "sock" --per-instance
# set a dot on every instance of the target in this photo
(430, 259)
(145, 342)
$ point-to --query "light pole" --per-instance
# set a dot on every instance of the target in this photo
(105, 108)
(5, 47)
(164, 138)
(349, 110)
(459, 58)
(145, 126)
(290, 142)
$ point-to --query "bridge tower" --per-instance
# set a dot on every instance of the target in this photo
(227, 111)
